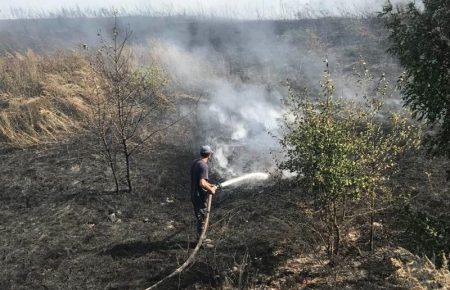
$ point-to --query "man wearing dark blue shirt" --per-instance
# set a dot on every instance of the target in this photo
(200, 186)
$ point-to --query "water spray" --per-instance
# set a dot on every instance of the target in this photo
(245, 177)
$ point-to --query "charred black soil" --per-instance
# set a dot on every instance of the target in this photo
(61, 227)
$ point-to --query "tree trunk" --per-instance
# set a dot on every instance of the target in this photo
(372, 206)
(344, 204)
(116, 182)
(337, 233)
(127, 164)
(330, 249)
(111, 163)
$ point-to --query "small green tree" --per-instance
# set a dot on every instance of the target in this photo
(383, 137)
(319, 146)
(420, 38)
(342, 151)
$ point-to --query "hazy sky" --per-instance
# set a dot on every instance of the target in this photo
(228, 8)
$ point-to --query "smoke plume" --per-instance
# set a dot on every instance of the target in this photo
(240, 68)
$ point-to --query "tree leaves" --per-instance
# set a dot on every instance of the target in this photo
(420, 39)
(344, 150)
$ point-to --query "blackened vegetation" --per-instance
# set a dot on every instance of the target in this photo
(265, 236)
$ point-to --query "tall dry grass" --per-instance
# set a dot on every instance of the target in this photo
(43, 98)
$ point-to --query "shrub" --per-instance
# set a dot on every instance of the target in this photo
(344, 151)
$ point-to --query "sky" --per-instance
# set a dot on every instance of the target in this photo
(227, 8)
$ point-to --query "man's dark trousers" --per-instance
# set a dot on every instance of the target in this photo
(199, 200)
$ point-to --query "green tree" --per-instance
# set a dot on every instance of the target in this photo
(319, 147)
(344, 152)
(383, 137)
(420, 38)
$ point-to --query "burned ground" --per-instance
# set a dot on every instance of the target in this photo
(59, 231)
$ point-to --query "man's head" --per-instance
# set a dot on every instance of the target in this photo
(206, 151)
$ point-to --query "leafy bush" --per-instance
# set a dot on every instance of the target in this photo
(344, 151)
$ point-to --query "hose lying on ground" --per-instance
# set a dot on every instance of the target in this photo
(249, 176)
(193, 254)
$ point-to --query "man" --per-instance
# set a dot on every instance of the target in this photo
(200, 187)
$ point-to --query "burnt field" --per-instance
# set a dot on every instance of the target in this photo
(57, 232)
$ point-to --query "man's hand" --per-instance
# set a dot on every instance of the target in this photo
(213, 189)
(210, 188)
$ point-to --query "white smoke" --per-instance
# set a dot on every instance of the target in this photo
(245, 114)
(243, 103)
(236, 117)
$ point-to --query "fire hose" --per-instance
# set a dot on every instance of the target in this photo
(194, 252)
(254, 176)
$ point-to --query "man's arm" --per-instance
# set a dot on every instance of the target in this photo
(207, 186)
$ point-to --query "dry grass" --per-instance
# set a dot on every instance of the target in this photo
(414, 272)
(43, 98)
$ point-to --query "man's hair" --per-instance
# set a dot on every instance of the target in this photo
(205, 155)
